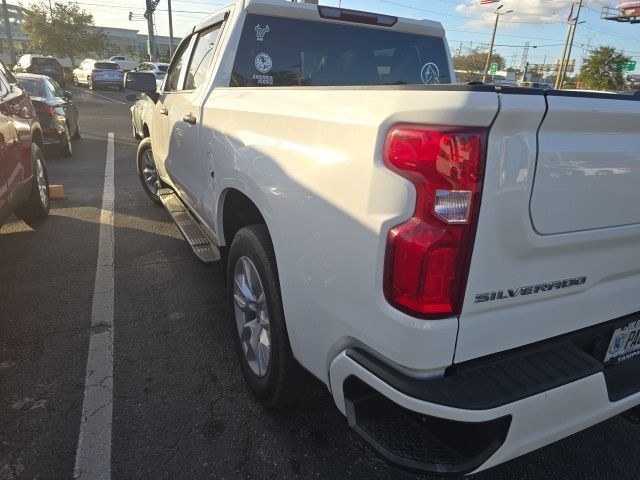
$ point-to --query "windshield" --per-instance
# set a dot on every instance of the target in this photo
(106, 66)
(41, 62)
(33, 86)
(335, 54)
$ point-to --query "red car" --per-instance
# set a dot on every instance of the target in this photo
(24, 184)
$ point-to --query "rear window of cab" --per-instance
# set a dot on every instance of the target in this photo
(277, 51)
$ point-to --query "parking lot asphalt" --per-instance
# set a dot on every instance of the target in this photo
(180, 407)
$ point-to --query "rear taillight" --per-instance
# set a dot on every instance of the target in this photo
(356, 16)
(427, 257)
(47, 111)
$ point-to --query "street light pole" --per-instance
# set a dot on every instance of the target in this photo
(151, 41)
(170, 30)
(566, 55)
(7, 29)
(493, 39)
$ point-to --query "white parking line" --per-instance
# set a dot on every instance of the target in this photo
(101, 96)
(93, 456)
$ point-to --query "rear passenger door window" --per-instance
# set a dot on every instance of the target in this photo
(202, 56)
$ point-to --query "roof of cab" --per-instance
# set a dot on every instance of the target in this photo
(286, 8)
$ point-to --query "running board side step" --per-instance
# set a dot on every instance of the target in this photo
(202, 246)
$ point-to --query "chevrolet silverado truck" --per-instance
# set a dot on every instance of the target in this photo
(445, 258)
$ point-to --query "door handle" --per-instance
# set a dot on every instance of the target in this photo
(189, 119)
(164, 111)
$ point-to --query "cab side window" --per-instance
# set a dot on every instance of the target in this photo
(202, 56)
(179, 61)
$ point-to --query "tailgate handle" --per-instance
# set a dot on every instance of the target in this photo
(189, 119)
(164, 111)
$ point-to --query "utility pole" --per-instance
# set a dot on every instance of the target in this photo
(170, 30)
(566, 56)
(493, 39)
(7, 29)
(151, 39)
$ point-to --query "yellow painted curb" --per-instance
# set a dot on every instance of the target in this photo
(56, 192)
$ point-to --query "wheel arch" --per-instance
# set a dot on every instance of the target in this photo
(237, 210)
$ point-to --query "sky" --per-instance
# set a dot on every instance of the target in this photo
(543, 23)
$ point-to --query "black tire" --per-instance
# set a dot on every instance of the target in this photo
(66, 148)
(77, 135)
(142, 162)
(35, 209)
(285, 382)
(75, 81)
(90, 84)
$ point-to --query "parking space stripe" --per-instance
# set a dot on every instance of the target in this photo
(93, 455)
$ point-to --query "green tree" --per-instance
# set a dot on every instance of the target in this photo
(469, 65)
(63, 30)
(602, 69)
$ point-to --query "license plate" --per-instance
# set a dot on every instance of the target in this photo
(625, 343)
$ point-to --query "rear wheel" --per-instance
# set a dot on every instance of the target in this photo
(37, 206)
(90, 83)
(262, 343)
(77, 135)
(147, 171)
(66, 148)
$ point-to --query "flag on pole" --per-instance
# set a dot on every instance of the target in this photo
(570, 17)
(484, 2)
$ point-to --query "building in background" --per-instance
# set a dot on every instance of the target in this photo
(120, 41)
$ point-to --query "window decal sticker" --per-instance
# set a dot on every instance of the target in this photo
(430, 74)
(261, 32)
(263, 63)
(263, 79)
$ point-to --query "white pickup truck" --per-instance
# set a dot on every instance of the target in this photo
(123, 63)
(458, 264)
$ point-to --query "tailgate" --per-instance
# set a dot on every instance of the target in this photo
(588, 174)
(557, 244)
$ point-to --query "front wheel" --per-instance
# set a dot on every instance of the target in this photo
(75, 81)
(262, 343)
(37, 205)
(147, 171)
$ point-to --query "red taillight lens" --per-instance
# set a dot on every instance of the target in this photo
(427, 257)
(47, 110)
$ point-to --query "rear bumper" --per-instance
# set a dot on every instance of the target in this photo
(54, 136)
(108, 81)
(481, 415)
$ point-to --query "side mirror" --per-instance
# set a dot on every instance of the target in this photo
(131, 97)
(142, 82)
(68, 95)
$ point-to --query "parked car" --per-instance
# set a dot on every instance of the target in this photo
(7, 73)
(124, 64)
(41, 65)
(140, 115)
(95, 74)
(24, 183)
(158, 69)
(394, 234)
(57, 114)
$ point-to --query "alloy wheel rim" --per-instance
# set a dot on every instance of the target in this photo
(149, 171)
(42, 183)
(252, 316)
